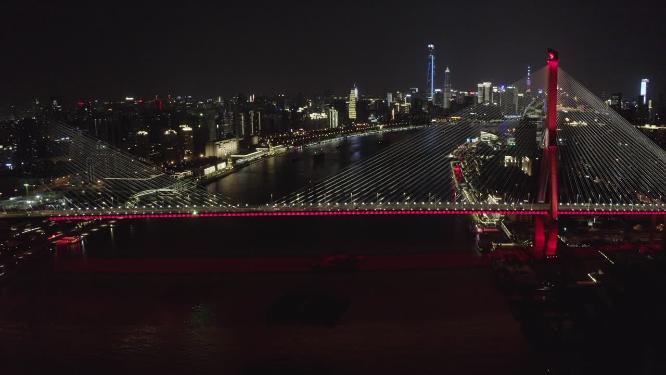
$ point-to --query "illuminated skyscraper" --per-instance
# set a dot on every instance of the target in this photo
(644, 83)
(332, 117)
(484, 92)
(528, 84)
(187, 140)
(255, 122)
(353, 98)
(431, 72)
(447, 88)
(508, 100)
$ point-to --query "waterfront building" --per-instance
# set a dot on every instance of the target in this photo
(353, 101)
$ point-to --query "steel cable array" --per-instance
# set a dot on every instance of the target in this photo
(603, 162)
(99, 176)
(417, 169)
(603, 159)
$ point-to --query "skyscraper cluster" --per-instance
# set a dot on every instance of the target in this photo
(437, 98)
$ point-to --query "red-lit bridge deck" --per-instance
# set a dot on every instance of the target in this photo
(412, 208)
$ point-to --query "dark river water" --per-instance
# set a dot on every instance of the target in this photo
(285, 236)
(274, 177)
(246, 295)
(57, 318)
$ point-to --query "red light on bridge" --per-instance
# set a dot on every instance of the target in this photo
(552, 55)
(351, 213)
(68, 240)
(296, 213)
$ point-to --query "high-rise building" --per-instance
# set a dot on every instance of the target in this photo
(438, 99)
(187, 141)
(431, 72)
(142, 144)
(644, 84)
(227, 123)
(389, 98)
(528, 84)
(210, 123)
(615, 100)
(484, 92)
(240, 123)
(495, 95)
(332, 117)
(447, 88)
(353, 99)
(509, 100)
(170, 149)
(526, 143)
(255, 122)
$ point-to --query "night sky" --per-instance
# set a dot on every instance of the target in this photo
(113, 49)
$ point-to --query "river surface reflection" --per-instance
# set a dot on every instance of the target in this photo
(422, 309)
(273, 177)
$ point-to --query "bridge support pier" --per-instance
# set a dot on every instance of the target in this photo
(551, 243)
(653, 228)
(663, 234)
(546, 231)
(539, 237)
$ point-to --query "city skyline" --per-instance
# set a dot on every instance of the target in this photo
(84, 53)
(643, 96)
(348, 187)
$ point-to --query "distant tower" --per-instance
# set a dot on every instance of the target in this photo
(529, 79)
(644, 83)
(447, 88)
(353, 97)
(431, 72)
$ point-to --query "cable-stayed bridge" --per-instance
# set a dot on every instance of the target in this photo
(547, 147)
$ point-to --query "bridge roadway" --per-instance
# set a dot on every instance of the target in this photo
(342, 209)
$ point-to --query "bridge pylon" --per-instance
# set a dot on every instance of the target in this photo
(545, 244)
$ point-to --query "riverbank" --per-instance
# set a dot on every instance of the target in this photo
(204, 180)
